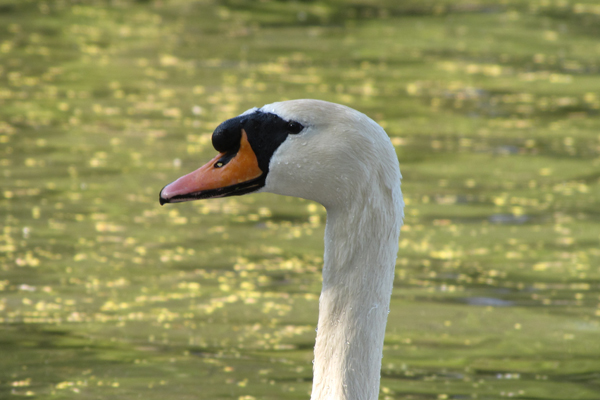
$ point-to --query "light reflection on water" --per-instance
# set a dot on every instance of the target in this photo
(104, 293)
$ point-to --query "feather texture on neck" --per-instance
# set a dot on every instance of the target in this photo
(358, 273)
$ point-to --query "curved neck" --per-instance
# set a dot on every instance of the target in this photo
(361, 243)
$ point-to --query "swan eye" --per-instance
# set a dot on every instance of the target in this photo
(294, 127)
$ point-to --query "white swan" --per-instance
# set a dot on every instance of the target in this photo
(342, 159)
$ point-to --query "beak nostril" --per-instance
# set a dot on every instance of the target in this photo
(224, 160)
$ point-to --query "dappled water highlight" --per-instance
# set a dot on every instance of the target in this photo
(493, 110)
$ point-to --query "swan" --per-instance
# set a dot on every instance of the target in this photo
(339, 157)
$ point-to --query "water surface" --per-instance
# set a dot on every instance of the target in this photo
(493, 109)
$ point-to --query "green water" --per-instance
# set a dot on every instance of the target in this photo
(492, 106)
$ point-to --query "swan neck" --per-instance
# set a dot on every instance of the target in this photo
(361, 243)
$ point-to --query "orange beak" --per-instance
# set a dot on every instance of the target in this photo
(222, 176)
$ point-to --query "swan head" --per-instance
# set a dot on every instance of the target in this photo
(311, 149)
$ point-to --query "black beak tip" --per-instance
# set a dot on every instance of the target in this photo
(161, 199)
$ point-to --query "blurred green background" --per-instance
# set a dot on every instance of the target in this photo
(493, 107)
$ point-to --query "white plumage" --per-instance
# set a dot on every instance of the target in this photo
(346, 162)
